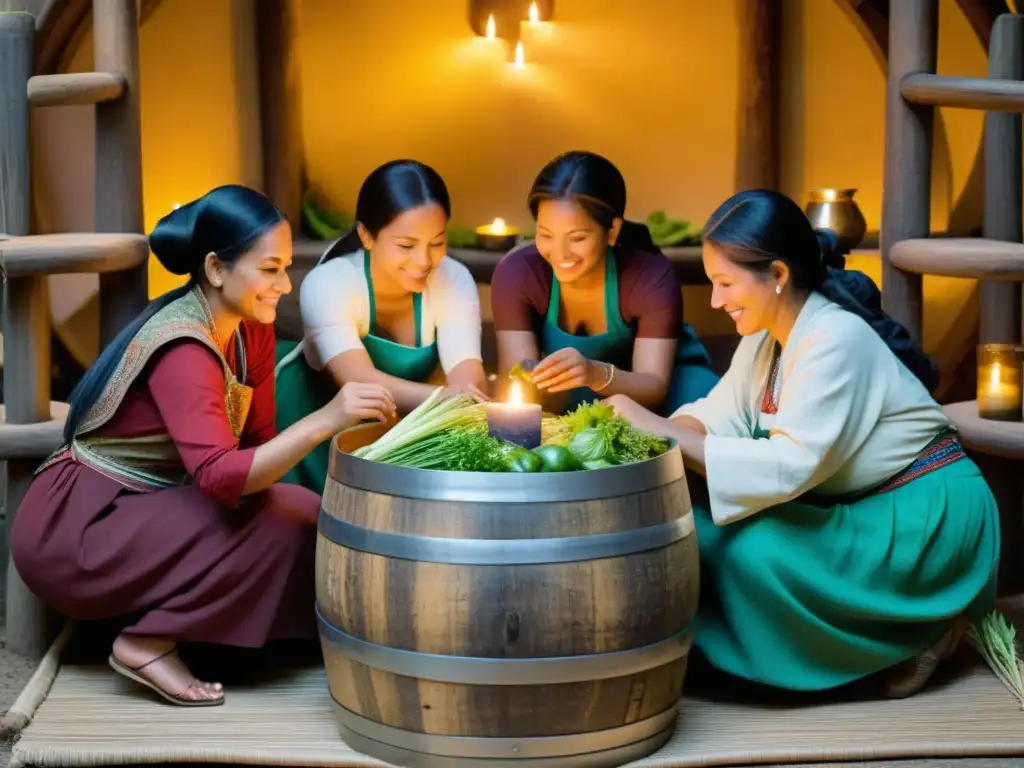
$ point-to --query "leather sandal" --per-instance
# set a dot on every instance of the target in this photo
(137, 675)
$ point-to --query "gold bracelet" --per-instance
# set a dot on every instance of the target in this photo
(609, 374)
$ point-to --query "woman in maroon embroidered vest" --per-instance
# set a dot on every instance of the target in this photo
(164, 504)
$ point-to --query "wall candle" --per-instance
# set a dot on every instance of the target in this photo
(515, 421)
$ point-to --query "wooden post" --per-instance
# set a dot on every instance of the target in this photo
(26, 316)
(906, 180)
(1000, 302)
(277, 54)
(757, 135)
(119, 159)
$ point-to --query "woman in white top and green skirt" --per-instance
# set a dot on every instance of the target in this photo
(384, 305)
(846, 532)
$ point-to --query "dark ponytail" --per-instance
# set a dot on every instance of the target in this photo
(388, 192)
(757, 227)
(225, 221)
(594, 184)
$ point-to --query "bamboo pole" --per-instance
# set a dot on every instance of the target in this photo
(26, 318)
(123, 295)
(906, 181)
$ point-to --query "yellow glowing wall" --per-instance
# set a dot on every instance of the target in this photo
(651, 85)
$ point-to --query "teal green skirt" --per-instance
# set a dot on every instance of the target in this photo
(298, 392)
(809, 598)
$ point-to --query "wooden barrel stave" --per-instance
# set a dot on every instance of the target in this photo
(482, 632)
(448, 709)
(510, 611)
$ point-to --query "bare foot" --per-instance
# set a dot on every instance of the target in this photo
(910, 676)
(154, 661)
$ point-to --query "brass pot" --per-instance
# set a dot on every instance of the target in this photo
(836, 209)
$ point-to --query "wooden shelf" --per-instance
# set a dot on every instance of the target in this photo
(996, 438)
(75, 88)
(72, 253)
(983, 93)
(961, 257)
(687, 260)
(33, 441)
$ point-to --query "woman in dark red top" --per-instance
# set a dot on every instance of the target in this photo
(164, 505)
(594, 299)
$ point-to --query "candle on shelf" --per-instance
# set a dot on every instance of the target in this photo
(999, 382)
(516, 420)
(520, 59)
(496, 236)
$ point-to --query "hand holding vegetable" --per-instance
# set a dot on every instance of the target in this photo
(357, 401)
(567, 369)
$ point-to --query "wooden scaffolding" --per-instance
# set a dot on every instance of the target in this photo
(997, 259)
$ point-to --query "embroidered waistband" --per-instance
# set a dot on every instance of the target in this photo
(942, 451)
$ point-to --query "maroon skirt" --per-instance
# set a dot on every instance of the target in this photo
(174, 563)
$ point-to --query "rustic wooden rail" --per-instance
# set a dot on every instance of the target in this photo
(30, 424)
(913, 92)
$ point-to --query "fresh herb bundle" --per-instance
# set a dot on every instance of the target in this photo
(430, 418)
(996, 640)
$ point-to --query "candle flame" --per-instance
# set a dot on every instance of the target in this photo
(994, 376)
(830, 195)
(534, 13)
(498, 227)
(492, 28)
(520, 55)
(515, 393)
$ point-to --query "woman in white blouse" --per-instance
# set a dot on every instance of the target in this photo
(385, 306)
(846, 531)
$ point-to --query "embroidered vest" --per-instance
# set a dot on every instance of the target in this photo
(152, 462)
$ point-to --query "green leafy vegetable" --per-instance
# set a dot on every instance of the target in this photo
(591, 444)
(626, 443)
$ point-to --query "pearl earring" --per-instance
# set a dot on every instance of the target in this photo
(778, 290)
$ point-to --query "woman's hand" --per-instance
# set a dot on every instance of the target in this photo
(467, 388)
(638, 416)
(564, 370)
(357, 402)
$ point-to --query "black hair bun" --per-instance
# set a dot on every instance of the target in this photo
(172, 240)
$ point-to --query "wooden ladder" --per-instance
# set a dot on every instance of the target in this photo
(997, 259)
(30, 424)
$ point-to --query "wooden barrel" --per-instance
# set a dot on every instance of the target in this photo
(477, 619)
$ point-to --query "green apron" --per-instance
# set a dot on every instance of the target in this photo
(299, 390)
(692, 377)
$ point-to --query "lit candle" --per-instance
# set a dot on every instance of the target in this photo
(520, 61)
(496, 236)
(492, 29)
(515, 421)
(999, 392)
(534, 13)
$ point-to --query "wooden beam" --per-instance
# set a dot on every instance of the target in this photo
(26, 317)
(123, 295)
(984, 93)
(74, 89)
(1000, 311)
(906, 178)
(277, 54)
(757, 150)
